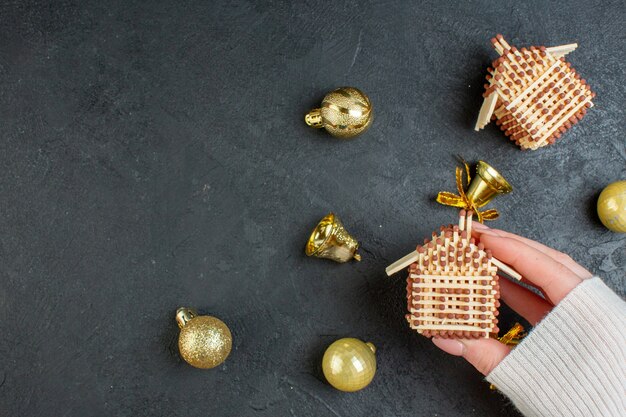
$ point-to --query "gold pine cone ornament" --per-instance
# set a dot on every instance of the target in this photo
(345, 113)
(204, 341)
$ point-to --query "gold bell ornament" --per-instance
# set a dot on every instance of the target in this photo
(481, 189)
(612, 206)
(331, 240)
(349, 364)
(345, 113)
(204, 341)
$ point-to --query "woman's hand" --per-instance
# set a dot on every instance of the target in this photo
(554, 273)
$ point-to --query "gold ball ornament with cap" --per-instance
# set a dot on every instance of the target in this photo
(349, 364)
(612, 206)
(204, 341)
(345, 113)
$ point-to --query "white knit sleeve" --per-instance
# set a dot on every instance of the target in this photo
(573, 363)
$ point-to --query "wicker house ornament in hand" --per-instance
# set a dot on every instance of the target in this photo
(452, 288)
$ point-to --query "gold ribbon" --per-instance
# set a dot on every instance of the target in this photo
(461, 200)
(511, 338)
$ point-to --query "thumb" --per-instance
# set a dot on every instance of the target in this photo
(484, 354)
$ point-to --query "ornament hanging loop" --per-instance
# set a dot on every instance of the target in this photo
(314, 118)
(184, 315)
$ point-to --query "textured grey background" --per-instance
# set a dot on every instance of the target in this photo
(154, 155)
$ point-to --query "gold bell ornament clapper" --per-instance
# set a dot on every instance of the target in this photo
(345, 113)
(204, 341)
(612, 206)
(331, 240)
(481, 189)
(349, 364)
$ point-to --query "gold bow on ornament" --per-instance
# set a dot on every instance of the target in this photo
(480, 190)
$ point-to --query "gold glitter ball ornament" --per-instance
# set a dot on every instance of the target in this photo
(204, 341)
(612, 206)
(349, 364)
(345, 113)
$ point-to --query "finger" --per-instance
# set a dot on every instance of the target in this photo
(484, 354)
(553, 277)
(494, 232)
(545, 296)
(561, 257)
(523, 301)
(487, 230)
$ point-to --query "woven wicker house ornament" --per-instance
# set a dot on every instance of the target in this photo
(452, 288)
(533, 94)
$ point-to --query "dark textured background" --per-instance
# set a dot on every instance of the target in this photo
(154, 155)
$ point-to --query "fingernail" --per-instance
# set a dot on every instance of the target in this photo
(451, 346)
(480, 226)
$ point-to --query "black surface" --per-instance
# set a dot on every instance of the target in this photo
(154, 155)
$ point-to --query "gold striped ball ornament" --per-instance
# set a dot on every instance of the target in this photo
(349, 364)
(204, 341)
(612, 206)
(345, 113)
